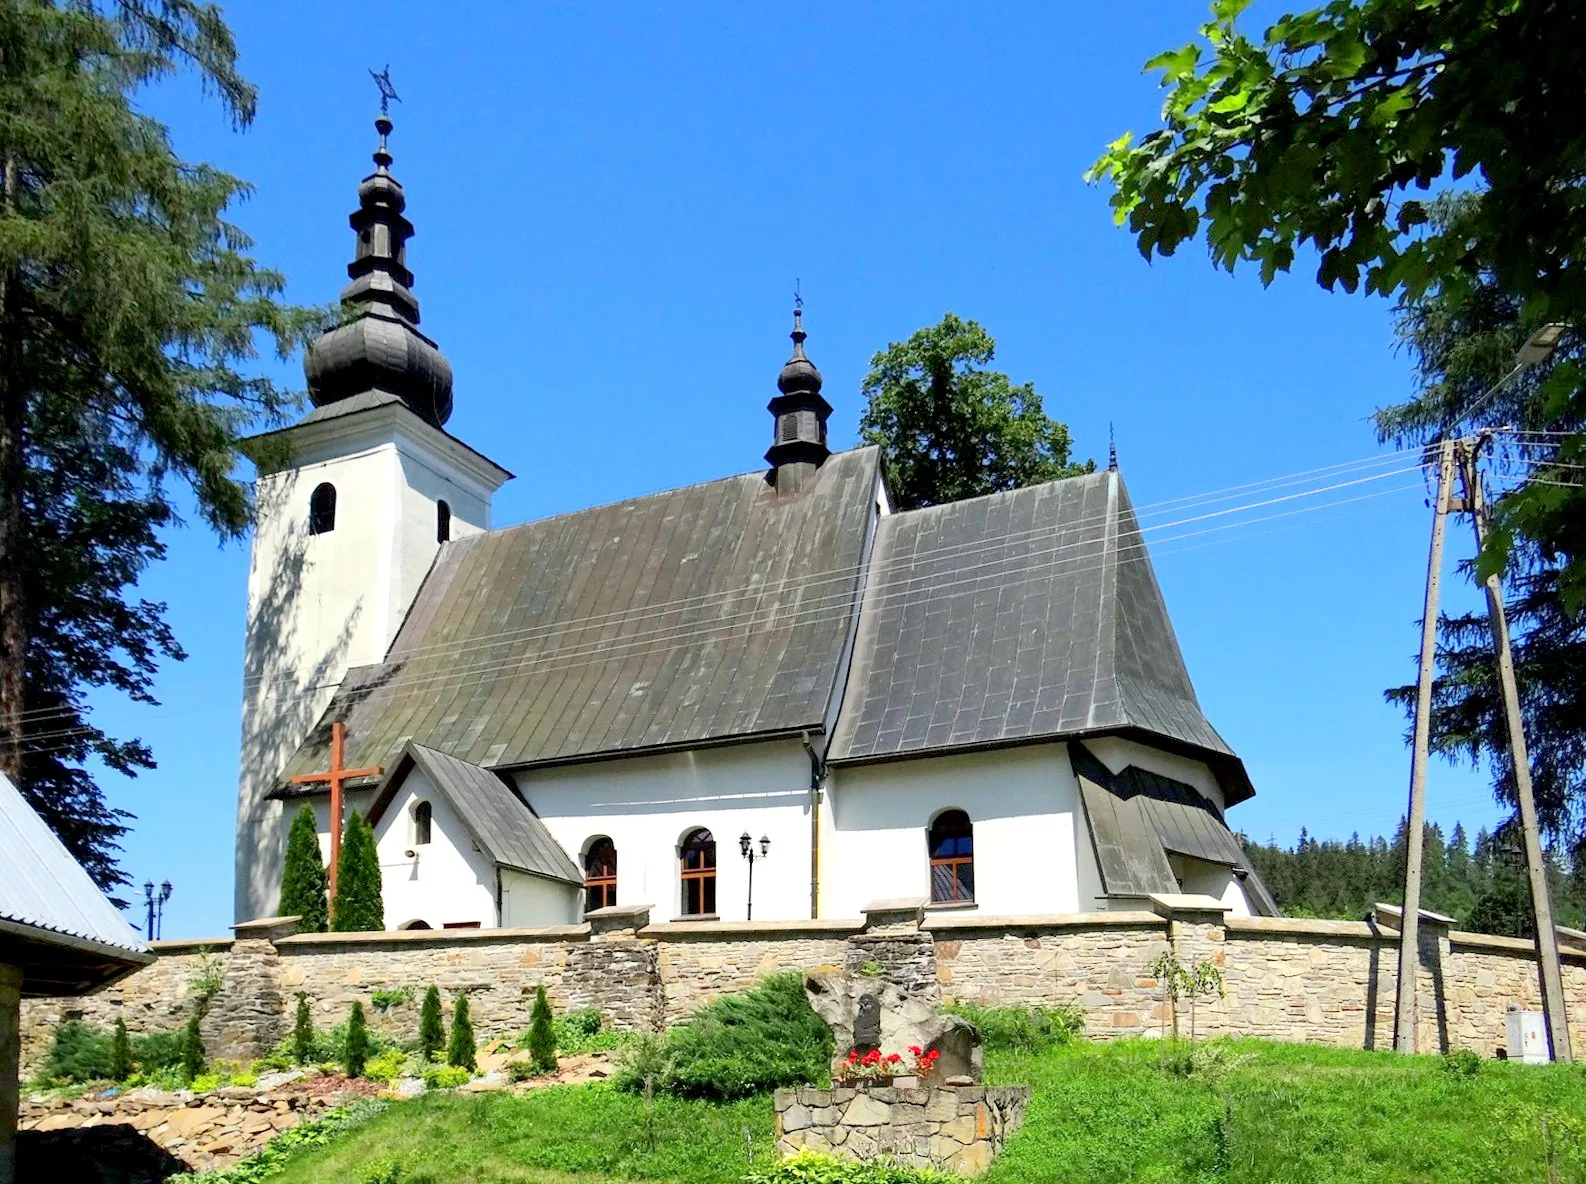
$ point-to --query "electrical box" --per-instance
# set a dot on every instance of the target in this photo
(1527, 1036)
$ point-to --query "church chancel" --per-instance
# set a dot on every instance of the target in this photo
(980, 703)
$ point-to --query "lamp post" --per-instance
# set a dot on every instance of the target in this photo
(156, 907)
(746, 849)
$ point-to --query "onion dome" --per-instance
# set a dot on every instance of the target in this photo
(378, 347)
(801, 413)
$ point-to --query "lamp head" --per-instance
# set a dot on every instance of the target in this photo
(165, 890)
(745, 844)
(148, 889)
(765, 844)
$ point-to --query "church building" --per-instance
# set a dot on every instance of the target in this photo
(769, 696)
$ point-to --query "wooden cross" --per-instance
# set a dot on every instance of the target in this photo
(335, 775)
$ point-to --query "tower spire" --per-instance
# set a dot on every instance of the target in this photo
(1112, 450)
(378, 346)
(798, 447)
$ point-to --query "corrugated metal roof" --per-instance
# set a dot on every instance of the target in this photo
(43, 889)
(1137, 817)
(507, 830)
(1021, 615)
(713, 612)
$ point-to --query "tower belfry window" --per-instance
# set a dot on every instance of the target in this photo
(322, 509)
(443, 522)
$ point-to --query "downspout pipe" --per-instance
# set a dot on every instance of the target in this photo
(817, 776)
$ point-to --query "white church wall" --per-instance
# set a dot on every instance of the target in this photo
(446, 882)
(647, 804)
(1211, 879)
(534, 902)
(1118, 754)
(1024, 806)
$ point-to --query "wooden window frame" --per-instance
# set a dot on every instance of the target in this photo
(953, 863)
(704, 875)
(603, 884)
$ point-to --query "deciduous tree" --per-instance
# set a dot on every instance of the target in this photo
(949, 428)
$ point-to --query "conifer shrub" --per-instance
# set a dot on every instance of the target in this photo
(461, 1051)
(78, 1053)
(192, 1051)
(747, 1042)
(120, 1052)
(304, 883)
(356, 1053)
(542, 1034)
(432, 1028)
(302, 1032)
(358, 907)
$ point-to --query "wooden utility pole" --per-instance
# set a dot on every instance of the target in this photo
(1535, 864)
(1404, 1028)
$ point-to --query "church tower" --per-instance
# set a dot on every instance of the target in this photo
(353, 502)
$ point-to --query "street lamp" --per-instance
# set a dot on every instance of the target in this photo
(746, 849)
(156, 907)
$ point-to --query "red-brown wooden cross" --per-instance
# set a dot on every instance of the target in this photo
(335, 775)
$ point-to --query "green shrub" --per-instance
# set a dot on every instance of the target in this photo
(303, 879)
(385, 998)
(302, 1032)
(542, 1035)
(158, 1052)
(447, 1076)
(460, 1050)
(204, 1082)
(806, 1167)
(432, 1029)
(358, 906)
(747, 1042)
(355, 1054)
(581, 1032)
(192, 1051)
(120, 1052)
(387, 1066)
(1462, 1062)
(78, 1053)
(1022, 1029)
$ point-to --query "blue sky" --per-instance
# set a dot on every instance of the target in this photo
(612, 204)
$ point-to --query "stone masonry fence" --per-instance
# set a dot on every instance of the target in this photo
(1329, 982)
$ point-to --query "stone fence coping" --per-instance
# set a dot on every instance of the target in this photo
(1392, 915)
(193, 945)
(1305, 927)
(434, 937)
(1185, 904)
(618, 918)
(266, 928)
(821, 927)
(961, 922)
(1516, 946)
(895, 911)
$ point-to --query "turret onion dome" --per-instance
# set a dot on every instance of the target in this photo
(378, 347)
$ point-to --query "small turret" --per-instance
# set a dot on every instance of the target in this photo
(799, 446)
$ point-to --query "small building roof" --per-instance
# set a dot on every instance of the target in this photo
(1026, 615)
(707, 614)
(1137, 818)
(497, 819)
(54, 921)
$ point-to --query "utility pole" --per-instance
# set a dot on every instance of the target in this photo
(1536, 867)
(1404, 1034)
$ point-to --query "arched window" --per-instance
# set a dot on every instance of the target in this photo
(443, 522)
(600, 875)
(699, 874)
(322, 509)
(951, 841)
(422, 814)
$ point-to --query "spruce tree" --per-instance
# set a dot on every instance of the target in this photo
(460, 1051)
(357, 1052)
(432, 1028)
(192, 1051)
(542, 1034)
(128, 308)
(358, 906)
(303, 878)
(120, 1052)
(303, 1031)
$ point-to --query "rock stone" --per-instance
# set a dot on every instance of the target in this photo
(904, 1020)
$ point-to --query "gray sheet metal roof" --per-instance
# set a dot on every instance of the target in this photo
(503, 826)
(1019, 616)
(49, 904)
(705, 614)
(1137, 817)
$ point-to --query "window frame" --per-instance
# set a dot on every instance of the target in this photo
(423, 824)
(322, 509)
(604, 883)
(443, 521)
(954, 861)
(702, 878)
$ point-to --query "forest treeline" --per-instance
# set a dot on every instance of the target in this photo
(1482, 883)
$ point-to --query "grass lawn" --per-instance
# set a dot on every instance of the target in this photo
(1299, 1114)
(1102, 1114)
(557, 1135)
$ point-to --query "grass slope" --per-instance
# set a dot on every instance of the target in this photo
(1300, 1114)
(557, 1135)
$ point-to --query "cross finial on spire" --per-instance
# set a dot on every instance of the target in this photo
(798, 301)
(382, 79)
(1112, 450)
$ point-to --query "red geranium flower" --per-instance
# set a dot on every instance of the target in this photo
(914, 1049)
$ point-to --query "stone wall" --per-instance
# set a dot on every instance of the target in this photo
(1320, 981)
(953, 1128)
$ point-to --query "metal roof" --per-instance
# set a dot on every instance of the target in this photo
(1137, 818)
(53, 918)
(704, 614)
(498, 820)
(1018, 616)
